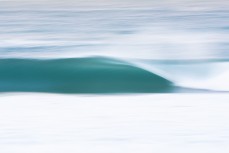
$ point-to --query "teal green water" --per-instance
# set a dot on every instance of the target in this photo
(78, 75)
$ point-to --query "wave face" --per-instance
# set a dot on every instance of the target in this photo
(163, 48)
(78, 75)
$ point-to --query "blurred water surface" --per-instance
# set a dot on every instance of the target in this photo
(182, 42)
(128, 29)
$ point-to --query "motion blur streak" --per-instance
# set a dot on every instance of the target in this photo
(114, 76)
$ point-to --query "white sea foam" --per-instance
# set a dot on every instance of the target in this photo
(217, 82)
(43, 123)
(197, 75)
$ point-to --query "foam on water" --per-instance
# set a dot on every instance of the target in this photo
(41, 123)
(196, 74)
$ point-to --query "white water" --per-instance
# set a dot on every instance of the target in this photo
(162, 123)
(197, 75)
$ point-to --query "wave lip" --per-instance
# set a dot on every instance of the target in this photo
(78, 75)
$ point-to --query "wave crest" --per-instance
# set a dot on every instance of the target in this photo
(78, 75)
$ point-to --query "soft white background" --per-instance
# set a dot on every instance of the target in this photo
(162, 123)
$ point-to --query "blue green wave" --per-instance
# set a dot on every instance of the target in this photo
(78, 75)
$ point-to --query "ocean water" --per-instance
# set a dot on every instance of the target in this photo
(114, 76)
(185, 48)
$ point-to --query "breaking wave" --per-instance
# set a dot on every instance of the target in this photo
(108, 75)
(78, 75)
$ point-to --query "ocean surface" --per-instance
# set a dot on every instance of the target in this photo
(114, 76)
(113, 50)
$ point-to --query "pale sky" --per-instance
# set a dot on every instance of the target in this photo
(117, 3)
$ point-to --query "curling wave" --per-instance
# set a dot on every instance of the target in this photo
(79, 75)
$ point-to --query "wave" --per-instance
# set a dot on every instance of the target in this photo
(205, 74)
(79, 75)
(109, 75)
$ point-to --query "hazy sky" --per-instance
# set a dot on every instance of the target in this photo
(198, 4)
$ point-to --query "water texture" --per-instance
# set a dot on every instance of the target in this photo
(113, 47)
